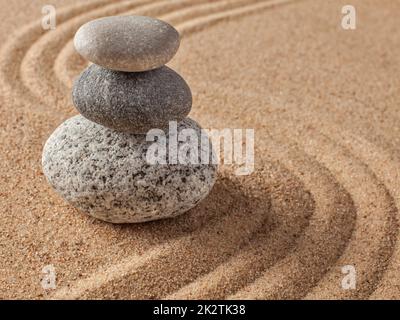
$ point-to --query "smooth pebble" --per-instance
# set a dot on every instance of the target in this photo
(132, 102)
(127, 43)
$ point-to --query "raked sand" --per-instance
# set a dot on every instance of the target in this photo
(325, 193)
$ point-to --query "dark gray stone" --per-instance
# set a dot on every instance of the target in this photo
(107, 175)
(127, 43)
(132, 102)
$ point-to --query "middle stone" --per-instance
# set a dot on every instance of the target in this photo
(132, 102)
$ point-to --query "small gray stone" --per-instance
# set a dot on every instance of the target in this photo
(127, 43)
(132, 102)
(107, 174)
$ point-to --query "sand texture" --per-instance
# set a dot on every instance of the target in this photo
(325, 193)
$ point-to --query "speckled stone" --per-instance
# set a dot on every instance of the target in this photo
(127, 43)
(132, 102)
(105, 173)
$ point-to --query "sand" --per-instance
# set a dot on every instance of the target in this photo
(325, 192)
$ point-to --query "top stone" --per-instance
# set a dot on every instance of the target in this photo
(127, 43)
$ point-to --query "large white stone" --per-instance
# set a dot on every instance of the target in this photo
(107, 175)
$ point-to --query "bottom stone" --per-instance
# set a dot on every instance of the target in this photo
(108, 175)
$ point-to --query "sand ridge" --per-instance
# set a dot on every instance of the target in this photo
(325, 188)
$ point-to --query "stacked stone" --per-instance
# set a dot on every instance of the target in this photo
(98, 161)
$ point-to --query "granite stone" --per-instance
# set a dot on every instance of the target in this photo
(106, 173)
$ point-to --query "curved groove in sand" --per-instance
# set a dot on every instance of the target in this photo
(201, 23)
(187, 21)
(341, 185)
(203, 9)
(213, 243)
(36, 60)
(68, 62)
(303, 267)
(390, 175)
(269, 248)
(34, 63)
(376, 266)
(37, 73)
(374, 189)
(15, 48)
(331, 200)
